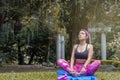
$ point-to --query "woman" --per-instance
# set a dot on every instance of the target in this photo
(81, 56)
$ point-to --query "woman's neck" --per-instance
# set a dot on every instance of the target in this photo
(82, 43)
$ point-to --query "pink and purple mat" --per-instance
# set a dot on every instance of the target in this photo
(64, 75)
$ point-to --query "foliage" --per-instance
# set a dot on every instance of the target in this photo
(42, 19)
(114, 46)
(40, 23)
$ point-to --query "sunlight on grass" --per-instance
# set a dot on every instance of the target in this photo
(52, 76)
(108, 75)
(29, 76)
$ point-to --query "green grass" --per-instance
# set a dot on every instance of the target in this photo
(52, 76)
(108, 75)
(29, 76)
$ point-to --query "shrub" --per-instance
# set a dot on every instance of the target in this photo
(115, 63)
(114, 47)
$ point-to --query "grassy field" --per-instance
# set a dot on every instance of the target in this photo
(52, 76)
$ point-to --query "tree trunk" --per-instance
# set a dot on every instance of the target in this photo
(78, 22)
(31, 58)
(20, 55)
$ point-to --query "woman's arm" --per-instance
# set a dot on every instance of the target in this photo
(72, 57)
(90, 55)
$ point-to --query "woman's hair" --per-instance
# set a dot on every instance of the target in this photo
(86, 32)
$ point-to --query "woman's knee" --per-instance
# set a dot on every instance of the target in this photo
(97, 62)
(63, 64)
(60, 61)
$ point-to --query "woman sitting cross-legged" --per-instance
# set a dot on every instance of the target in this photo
(82, 53)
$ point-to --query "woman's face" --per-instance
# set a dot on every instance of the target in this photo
(82, 35)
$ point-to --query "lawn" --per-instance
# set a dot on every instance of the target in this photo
(52, 76)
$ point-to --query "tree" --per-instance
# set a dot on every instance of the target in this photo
(51, 17)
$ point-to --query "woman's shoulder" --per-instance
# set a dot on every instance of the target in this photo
(75, 46)
(90, 46)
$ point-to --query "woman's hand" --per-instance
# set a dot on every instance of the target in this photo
(71, 71)
(82, 70)
(78, 74)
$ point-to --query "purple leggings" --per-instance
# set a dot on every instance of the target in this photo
(90, 69)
